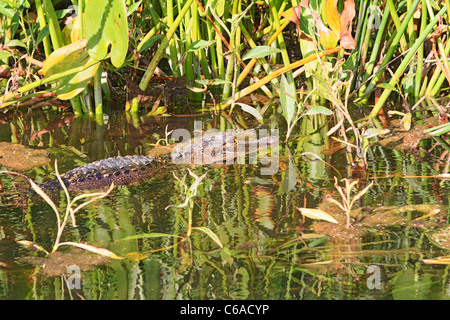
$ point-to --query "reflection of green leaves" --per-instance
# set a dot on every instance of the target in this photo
(211, 234)
(290, 177)
(106, 24)
(66, 58)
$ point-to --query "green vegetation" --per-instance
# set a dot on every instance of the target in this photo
(230, 49)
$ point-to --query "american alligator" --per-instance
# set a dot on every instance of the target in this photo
(133, 169)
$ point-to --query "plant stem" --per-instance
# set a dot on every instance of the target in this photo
(165, 42)
(406, 60)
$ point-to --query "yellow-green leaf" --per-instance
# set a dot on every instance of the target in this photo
(30, 245)
(100, 251)
(332, 17)
(106, 26)
(316, 214)
(66, 58)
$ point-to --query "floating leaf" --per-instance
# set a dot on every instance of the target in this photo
(316, 214)
(260, 52)
(66, 58)
(106, 24)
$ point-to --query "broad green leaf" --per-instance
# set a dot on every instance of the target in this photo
(106, 24)
(133, 7)
(42, 34)
(316, 214)
(251, 110)
(66, 58)
(6, 10)
(15, 43)
(318, 110)
(260, 52)
(287, 100)
(308, 48)
(199, 44)
(148, 44)
(219, 7)
(387, 86)
(5, 54)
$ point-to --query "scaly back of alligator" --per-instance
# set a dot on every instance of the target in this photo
(133, 169)
(100, 174)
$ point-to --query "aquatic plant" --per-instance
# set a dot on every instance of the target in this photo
(347, 198)
(62, 217)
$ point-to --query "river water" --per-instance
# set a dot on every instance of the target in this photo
(241, 235)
